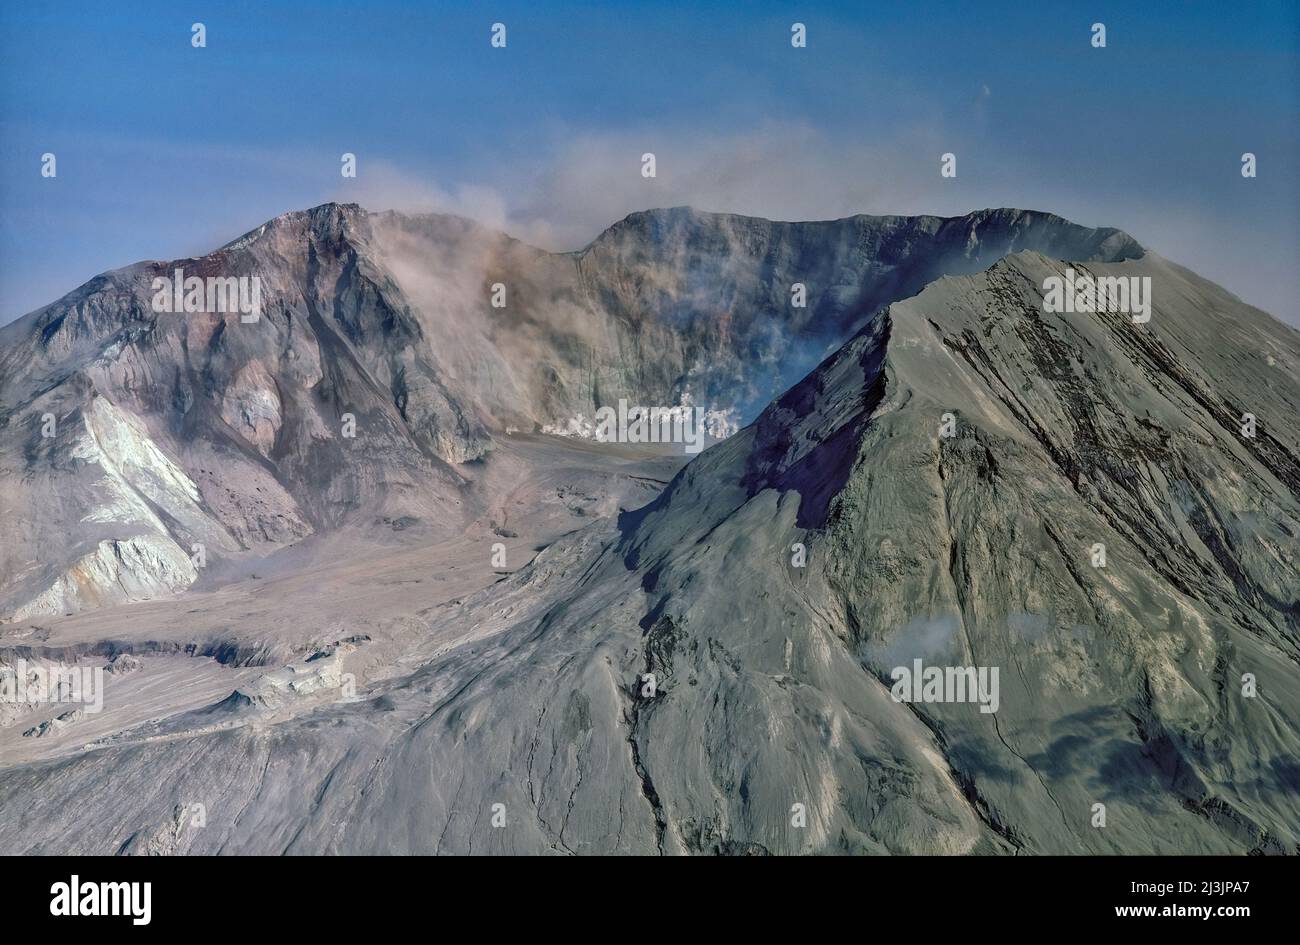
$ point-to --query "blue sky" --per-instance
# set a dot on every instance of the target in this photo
(166, 151)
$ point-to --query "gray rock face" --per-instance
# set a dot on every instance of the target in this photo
(167, 430)
(722, 283)
(714, 672)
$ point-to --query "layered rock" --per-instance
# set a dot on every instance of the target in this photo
(714, 672)
(377, 363)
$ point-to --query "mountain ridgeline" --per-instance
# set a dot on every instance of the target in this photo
(1098, 515)
(128, 435)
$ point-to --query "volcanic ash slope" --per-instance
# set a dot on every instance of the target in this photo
(129, 436)
(770, 726)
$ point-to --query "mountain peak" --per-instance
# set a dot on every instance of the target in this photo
(989, 233)
(326, 219)
(949, 471)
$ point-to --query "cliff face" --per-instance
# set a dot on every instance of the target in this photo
(971, 480)
(175, 429)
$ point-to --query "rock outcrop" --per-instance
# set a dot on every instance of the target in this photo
(1072, 500)
(377, 363)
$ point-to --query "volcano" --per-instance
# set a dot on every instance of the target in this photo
(452, 631)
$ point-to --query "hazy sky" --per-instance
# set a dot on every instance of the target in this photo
(166, 151)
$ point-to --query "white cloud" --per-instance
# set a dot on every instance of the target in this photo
(589, 180)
